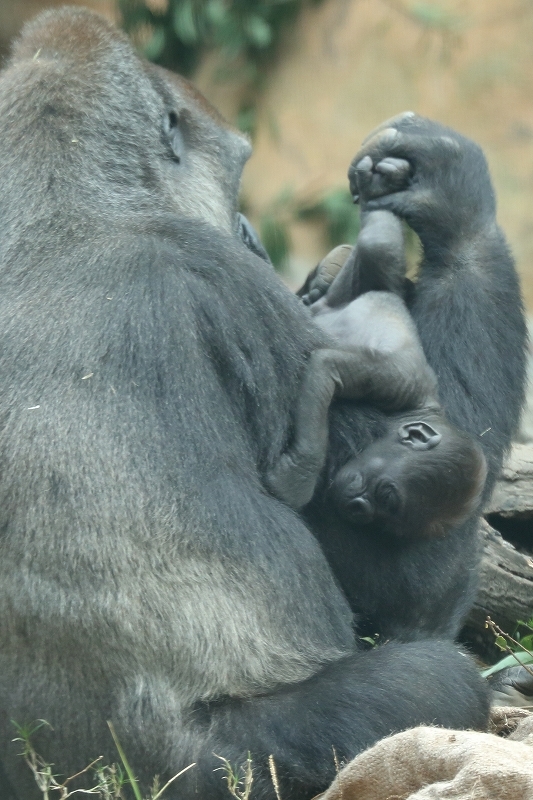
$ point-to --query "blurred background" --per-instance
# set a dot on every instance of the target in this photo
(308, 79)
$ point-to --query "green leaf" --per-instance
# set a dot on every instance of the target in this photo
(184, 22)
(129, 771)
(337, 212)
(527, 642)
(501, 642)
(154, 47)
(434, 16)
(508, 661)
(246, 120)
(259, 31)
(215, 11)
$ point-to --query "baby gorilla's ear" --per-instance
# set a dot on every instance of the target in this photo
(419, 435)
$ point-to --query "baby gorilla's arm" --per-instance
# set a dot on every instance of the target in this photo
(385, 379)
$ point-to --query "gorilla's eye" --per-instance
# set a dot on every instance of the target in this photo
(174, 136)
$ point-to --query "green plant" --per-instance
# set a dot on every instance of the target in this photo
(109, 781)
(239, 780)
(519, 648)
(333, 212)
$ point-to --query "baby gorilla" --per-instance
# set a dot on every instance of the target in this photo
(423, 475)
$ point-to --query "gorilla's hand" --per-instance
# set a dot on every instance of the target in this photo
(427, 174)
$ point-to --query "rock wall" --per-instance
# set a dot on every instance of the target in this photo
(353, 63)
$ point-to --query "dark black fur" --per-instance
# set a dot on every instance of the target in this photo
(149, 365)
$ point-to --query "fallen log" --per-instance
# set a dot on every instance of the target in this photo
(506, 583)
(513, 494)
(506, 580)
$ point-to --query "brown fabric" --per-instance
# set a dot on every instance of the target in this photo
(505, 719)
(439, 764)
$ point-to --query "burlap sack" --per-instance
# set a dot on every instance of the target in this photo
(439, 764)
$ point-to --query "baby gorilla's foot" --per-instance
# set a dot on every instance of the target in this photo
(325, 273)
(371, 180)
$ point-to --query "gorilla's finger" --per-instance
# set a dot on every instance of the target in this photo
(423, 154)
(371, 181)
(389, 175)
(393, 167)
(392, 122)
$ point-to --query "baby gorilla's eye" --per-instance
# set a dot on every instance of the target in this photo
(387, 497)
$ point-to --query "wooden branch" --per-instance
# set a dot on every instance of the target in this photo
(506, 583)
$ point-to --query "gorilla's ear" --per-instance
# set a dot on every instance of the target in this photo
(249, 236)
(419, 435)
(174, 135)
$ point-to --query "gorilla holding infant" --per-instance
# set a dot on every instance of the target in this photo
(150, 369)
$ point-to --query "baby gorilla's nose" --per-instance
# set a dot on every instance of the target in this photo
(360, 508)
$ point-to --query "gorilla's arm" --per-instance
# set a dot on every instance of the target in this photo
(390, 380)
(145, 575)
(466, 302)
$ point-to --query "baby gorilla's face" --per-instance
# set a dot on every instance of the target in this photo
(392, 481)
(369, 488)
(417, 480)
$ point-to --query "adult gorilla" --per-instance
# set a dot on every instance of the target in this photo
(149, 365)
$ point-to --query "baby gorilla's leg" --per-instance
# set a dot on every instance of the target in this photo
(376, 263)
